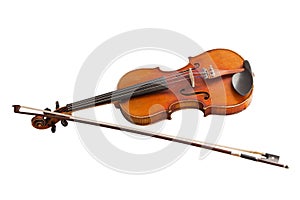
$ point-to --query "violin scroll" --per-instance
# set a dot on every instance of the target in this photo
(42, 122)
(39, 122)
(45, 118)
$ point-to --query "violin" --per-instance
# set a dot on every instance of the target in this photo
(218, 82)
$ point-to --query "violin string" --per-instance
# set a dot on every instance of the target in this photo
(129, 90)
(141, 86)
(91, 101)
(105, 97)
(134, 87)
(91, 104)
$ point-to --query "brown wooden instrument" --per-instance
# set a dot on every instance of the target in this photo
(217, 82)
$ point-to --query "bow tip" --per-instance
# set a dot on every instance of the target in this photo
(16, 108)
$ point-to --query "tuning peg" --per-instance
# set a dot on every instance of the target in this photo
(64, 122)
(47, 109)
(56, 104)
(53, 128)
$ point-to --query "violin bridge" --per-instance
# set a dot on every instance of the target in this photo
(212, 73)
(192, 78)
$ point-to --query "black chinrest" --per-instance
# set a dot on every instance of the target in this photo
(243, 82)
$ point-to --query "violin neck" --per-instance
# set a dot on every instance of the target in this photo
(123, 94)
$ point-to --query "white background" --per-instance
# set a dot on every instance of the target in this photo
(42, 47)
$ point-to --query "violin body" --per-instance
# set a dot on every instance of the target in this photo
(210, 95)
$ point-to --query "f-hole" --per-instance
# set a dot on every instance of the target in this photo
(205, 94)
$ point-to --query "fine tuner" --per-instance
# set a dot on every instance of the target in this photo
(216, 82)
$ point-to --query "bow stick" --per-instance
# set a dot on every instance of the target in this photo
(266, 158)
